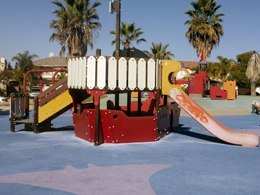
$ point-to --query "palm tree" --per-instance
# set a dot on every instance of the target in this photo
(23, 65)
(128, 34)
(220, 71)
(253, 71)
(204, 27)
(224, 68)
(76, 26)
(158, 48)
(24, 61)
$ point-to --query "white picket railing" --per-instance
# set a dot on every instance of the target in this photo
(109, 73)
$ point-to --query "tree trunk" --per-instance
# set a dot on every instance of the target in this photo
(253, 93)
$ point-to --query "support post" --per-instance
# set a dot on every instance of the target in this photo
(12, 125)
(36, 112)
(27, 104)
(128, 103)
(117, 100)
(98, 137)
(98, 133)
(165, 100)
(139, 102)
(98, 52)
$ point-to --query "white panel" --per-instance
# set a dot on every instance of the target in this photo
(69, 73)
(141, 74)
(79, 72)
(91, 72)
(83, 73)
(157, 74)
(160, 74)
(76, 77)
(112, 70)
(151, 74)
(74, 72)
(101, 72)
(132, 74)
(122, 67)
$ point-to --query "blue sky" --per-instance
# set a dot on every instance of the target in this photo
(25, 26)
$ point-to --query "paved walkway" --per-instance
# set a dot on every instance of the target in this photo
(188, 161)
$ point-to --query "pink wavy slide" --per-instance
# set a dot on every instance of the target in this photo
(210, 123)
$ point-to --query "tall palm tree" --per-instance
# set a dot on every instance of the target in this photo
(23, 65)
(205, 26)
(158, 48)
(128, 34)
(253, 71)
(76, 26)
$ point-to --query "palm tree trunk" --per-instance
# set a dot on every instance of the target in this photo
(253, 93)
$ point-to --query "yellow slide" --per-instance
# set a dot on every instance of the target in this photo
(56, 105)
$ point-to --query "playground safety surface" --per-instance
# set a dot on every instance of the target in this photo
(188, 161)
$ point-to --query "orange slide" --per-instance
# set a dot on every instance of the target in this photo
(210, 123)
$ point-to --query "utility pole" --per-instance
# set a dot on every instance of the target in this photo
(115, 6)
(118, 13)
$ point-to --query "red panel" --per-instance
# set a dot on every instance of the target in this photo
(179, 82)
(197, 83)
(84, 125)
(127, 129)
(147, 106)
(217, 93)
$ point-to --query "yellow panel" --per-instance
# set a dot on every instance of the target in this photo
(182, 69)
(168, 69)
(54, 106)
(134, 94)
(230, 87)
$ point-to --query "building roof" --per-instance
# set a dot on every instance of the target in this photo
(189, 64)
(52, 61)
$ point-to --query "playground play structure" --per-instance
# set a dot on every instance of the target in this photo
(197, 84)
(138, 121)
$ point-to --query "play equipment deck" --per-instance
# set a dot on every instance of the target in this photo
(210, 123)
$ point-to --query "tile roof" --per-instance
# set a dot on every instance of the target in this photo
(52, 61)
(189, 64)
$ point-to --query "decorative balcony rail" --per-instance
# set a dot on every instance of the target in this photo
(110, 73)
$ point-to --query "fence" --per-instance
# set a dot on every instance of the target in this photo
(110, 73)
